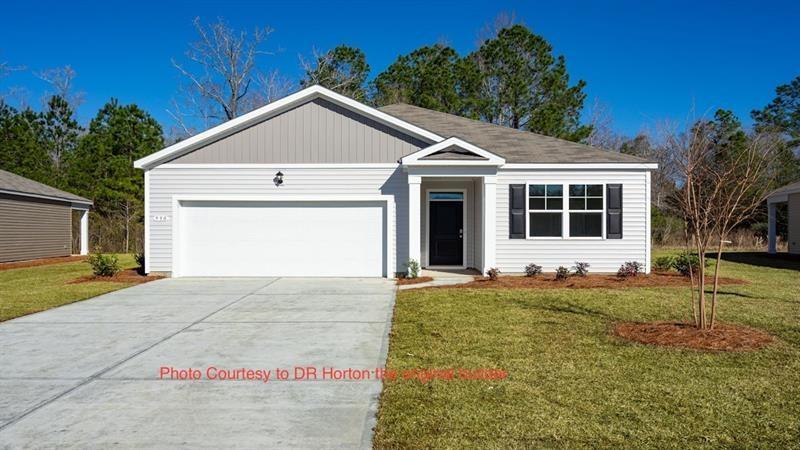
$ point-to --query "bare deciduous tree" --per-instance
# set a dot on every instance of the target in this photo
(223, 79)
(719, 189)
(489, 30)
(61, 79)
(602, 123)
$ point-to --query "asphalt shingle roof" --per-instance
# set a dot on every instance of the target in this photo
(516, 146)
(17, 184)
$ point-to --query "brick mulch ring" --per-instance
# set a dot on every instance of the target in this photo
(41, 262)
(403, 281)
(125, 276)
(548, 281)
(723, 338)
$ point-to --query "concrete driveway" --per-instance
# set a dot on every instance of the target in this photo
(88, 375)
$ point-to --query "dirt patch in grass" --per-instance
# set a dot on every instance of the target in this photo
(723, 338)
(587, 282)
(125, 276)
(403, 281)
(41, 262)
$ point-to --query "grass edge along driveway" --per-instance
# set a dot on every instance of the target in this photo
(32, 289)
(572, 384)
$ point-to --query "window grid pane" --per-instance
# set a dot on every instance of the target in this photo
(583, 197)
(545, 197)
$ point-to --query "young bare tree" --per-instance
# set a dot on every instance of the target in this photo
(61, 79)
(223, 78)
(603, 134)
(721, 185)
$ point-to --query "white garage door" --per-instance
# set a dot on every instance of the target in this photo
(299, 238)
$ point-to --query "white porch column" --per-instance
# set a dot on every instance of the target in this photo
(773, 226)
(414, 222)
(489, 222)
(85, 232)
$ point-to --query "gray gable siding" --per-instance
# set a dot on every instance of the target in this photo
(315, 132)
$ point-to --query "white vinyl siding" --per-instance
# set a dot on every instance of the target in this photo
(167, 181)
(604, 255)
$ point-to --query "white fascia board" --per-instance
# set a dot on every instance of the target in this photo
(278, 107)
(280, 166)
(582, 166)
(415, 159)
(77, 204)
(783, 197)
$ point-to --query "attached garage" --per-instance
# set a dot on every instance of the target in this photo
(282, 237)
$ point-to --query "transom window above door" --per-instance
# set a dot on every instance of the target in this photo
(447, 196)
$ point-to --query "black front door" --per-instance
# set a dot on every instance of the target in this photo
(446, 233)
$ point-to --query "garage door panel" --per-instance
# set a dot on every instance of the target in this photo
(282, 239)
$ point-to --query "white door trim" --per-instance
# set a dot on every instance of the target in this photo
(389, 217)
(428, 227)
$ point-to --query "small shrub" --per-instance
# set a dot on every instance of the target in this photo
(562, 273)
(629, 269)
(139, 257)
(581, 268)
(412, 267)
(663, 263)
(104, 265)
(493, 273)
(531, 270)
(684, 261)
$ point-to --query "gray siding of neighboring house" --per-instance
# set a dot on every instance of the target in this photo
(33, 228)
(315, 132)
(794, 223)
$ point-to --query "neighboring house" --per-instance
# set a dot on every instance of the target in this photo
(36, 219)
(317, 184)
(790, 195)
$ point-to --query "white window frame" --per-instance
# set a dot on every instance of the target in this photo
(565, 211)
(528, 212)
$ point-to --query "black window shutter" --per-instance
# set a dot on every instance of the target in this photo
(516, 207)
(613, 211)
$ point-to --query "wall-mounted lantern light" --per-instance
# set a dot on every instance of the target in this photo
(278, 180)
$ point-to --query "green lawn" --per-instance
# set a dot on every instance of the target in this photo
(32, 289)
(572, 384)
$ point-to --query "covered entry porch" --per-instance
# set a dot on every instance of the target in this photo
(451, 209)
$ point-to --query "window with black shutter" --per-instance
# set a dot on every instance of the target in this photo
(614, 211)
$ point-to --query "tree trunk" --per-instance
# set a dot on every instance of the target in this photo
(716, 283)
(701, 284)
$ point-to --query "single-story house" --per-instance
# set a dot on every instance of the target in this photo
(36, 219)
(789, 194)
(318, 184)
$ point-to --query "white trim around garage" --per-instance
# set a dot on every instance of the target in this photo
(387, 199)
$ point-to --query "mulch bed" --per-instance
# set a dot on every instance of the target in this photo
(125, 276)
(41, 262)
(403, 281)
(547, 281)
(723, 338)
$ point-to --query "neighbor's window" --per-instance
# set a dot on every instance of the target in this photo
(586, 210)
(545, 206)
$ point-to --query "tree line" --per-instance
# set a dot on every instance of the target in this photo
(512, 78)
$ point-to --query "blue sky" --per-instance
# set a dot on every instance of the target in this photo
(645, 60)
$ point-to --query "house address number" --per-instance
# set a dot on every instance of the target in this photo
(160, 218)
